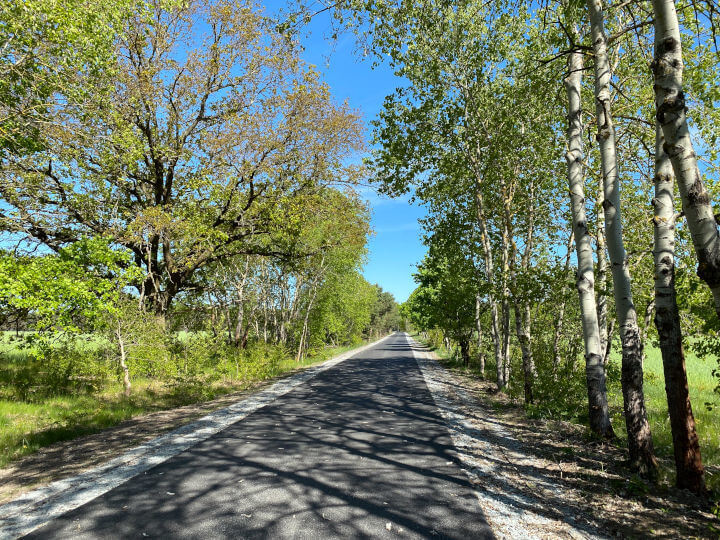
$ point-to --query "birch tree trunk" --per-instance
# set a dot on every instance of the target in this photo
(523, 308)
(649, 311)
(497, 343)
(670, 102)
(123, 360)
(640, 444)
(686, 447)
(303, 334)
(507, 255)
(522, 329)
(478, 326)
(315, 287)
(602, 307)
(594, 370)
(506, 329)
(495, 330)
(608, 345)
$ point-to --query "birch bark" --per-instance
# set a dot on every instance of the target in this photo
(595, 372)
(523, 310)
(240, 321)
(478, 326)
(495, 330)
(688, 461)
(122, 360)
(601, 245)
(640, 444)
(670, 102)
(523, 321)
(507, 257)
(303, 334)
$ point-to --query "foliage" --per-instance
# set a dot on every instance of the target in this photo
(384, 314)
(345, 308)
(53, 54)
(215, 141)
(75, 287)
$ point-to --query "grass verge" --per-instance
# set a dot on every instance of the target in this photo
(27, 426)
(701, 384)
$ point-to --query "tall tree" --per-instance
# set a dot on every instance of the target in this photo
(640, 444)
(594, 365)
(671, 113)
(213, 132)
(688, 461)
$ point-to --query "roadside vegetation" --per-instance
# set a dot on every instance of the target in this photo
(179, 215)
(48, 414)
(592, 475)
(566, 153)
(566, 400)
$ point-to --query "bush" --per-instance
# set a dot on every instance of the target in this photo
(564, 396)
(262, 361)
(66, 365)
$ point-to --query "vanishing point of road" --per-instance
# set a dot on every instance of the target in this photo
(358, 451)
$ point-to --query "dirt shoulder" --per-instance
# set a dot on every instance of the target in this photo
(567, 473)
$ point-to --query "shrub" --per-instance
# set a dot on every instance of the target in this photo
(65, 365)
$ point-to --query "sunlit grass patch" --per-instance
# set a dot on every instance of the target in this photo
(701, 384)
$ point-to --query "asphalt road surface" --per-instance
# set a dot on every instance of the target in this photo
(359, 451)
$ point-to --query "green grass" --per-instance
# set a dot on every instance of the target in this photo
(26, 426)
(700, 383)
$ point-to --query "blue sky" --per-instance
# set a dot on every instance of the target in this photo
(396, 247)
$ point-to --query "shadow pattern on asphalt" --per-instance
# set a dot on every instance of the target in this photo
(359, 451)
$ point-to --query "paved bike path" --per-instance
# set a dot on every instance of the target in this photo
(360, 450)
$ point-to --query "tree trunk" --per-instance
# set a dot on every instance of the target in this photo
(595, 373)
(608, 344)
(123, 361)
(229, 323)
(315, 286)
(640, 444)
(602, 307)
(478, 326)
(686, 447)
(522, 328)
(238, 334)
(670, 102)
(506, 307)
(506, 338)
(465, 351)
(303, 334)
(495, 331)
(497, 344)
